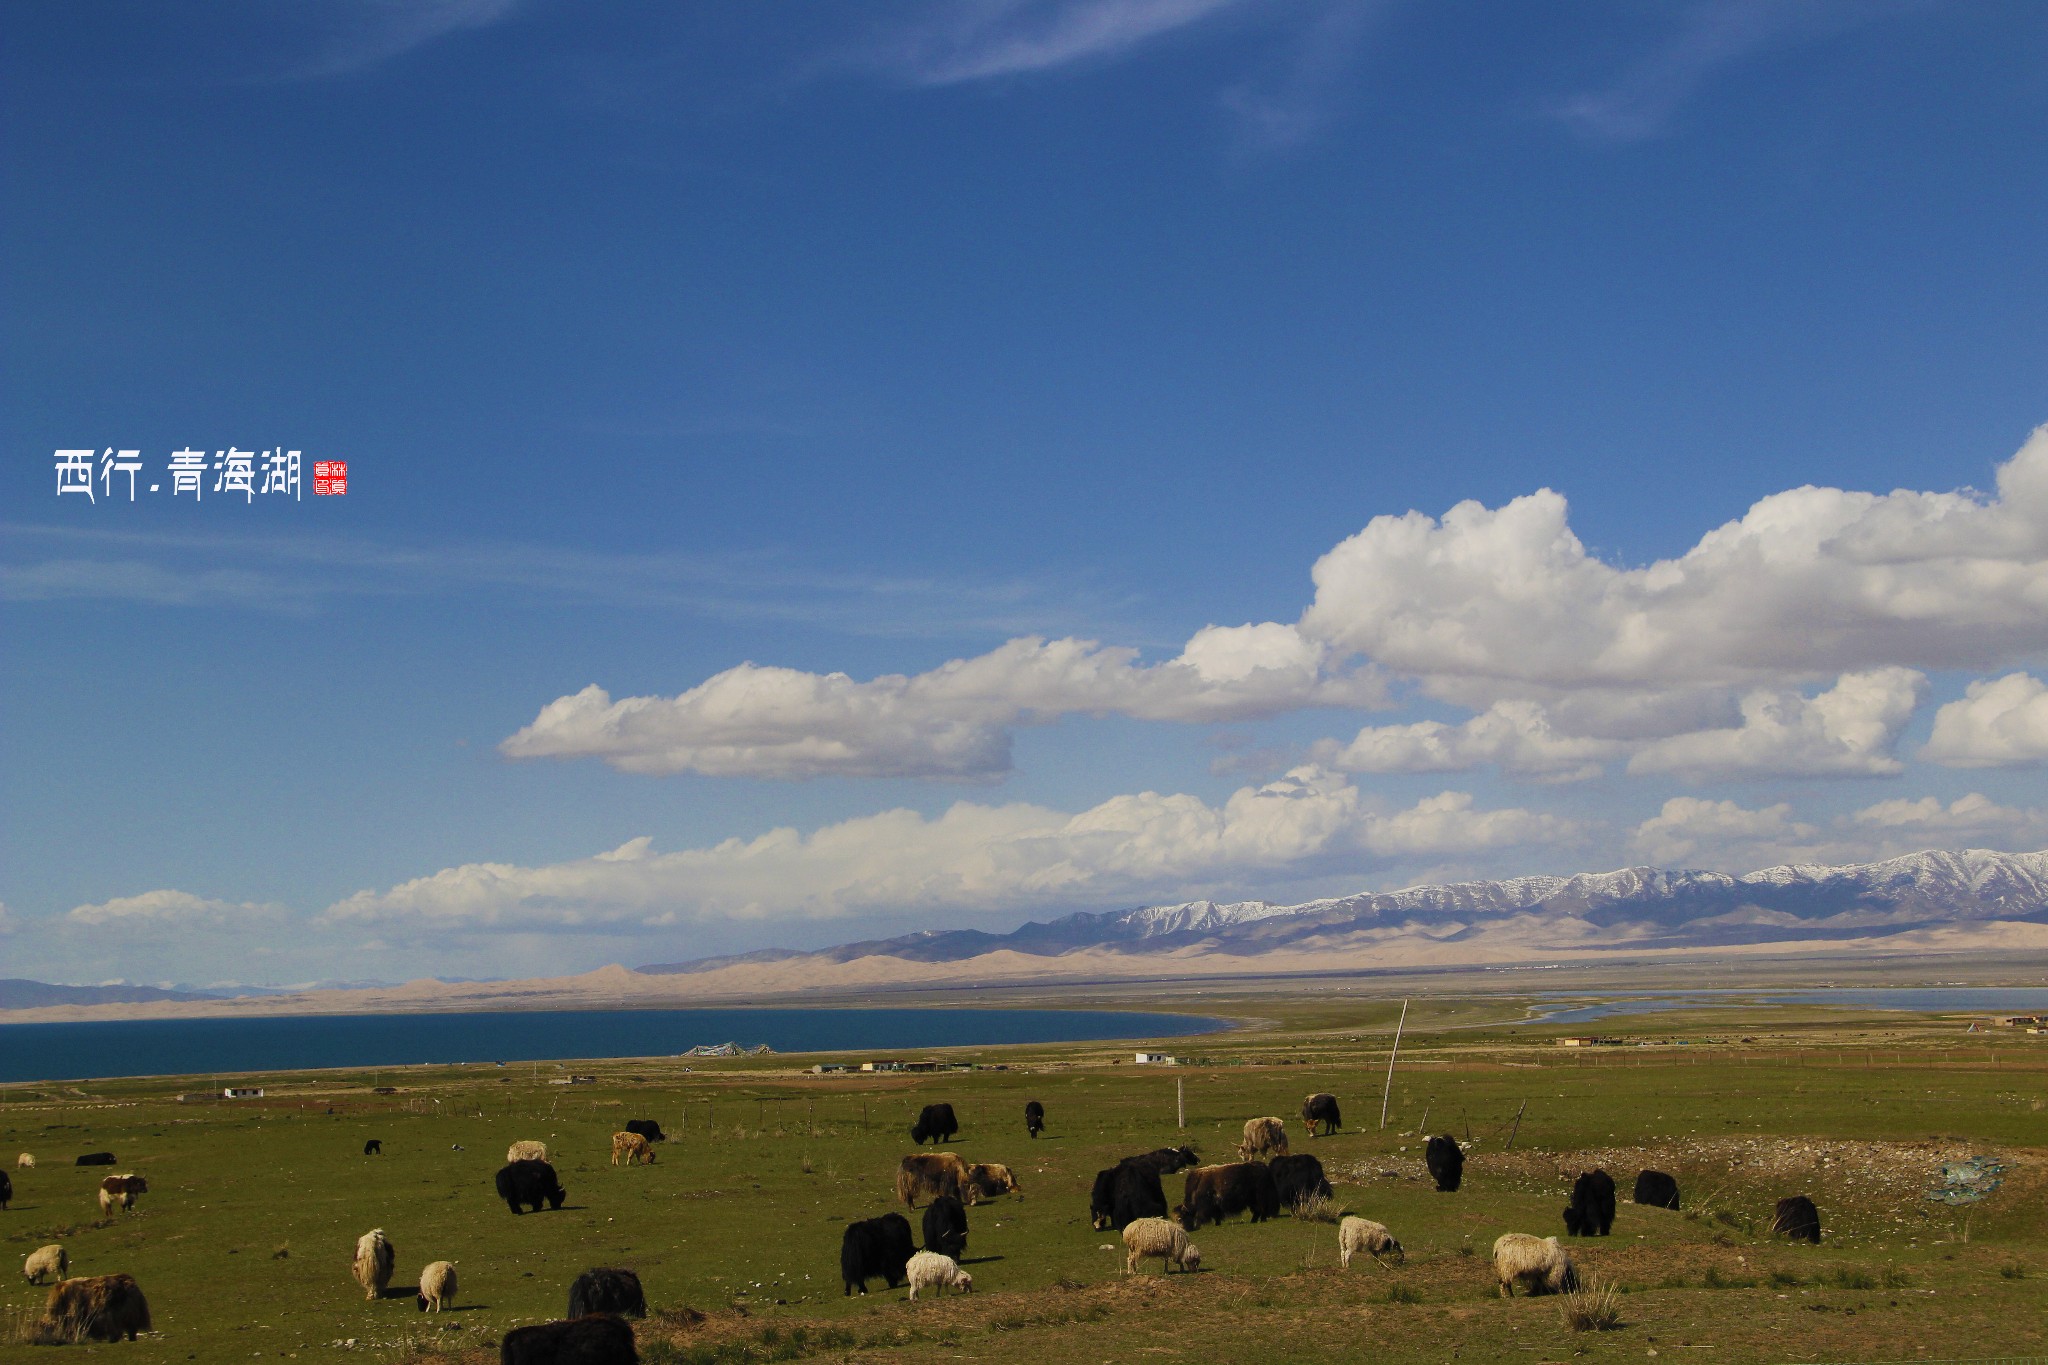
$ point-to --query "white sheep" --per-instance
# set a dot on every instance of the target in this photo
(49, 1260)
(929, 1270)
(374, 1258)
(527, 1150)
(1145, 1238)
(25, 1162)
(437, 1286)
(1538, 1264)
(1357, 1234)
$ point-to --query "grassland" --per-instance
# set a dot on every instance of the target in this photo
(243, 1242)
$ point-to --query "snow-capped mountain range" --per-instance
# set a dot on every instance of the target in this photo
(1635, 907)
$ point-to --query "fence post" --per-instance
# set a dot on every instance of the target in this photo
(1388, 1092)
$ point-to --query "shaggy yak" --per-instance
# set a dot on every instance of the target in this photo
(529, 1183)
(1297, 1178)
(95, 1308)
(607, 1290)
(929, 1176)
(1214, 1193)
(1797, 1219)
(646, 1128)
(1263, 1137)
(935, 1124)
(1591, 1212)
(374, 1147)
(945, 1227)
(875, 1249)
(1320, 1111)
(1034, 1117)
(599, 1340)
(1446, 1161)
(6, 1189)
(373, 1261)
(1656, 1189)
(634, 1148)
(95, 1159)
(1131, 1189)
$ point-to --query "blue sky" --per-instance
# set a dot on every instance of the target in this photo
(918, 465)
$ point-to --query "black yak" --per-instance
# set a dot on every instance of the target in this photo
(1299, 1177)
(530, 1182)
(646, 1128)
(875, 1249)
(1446, 1163)
(935, 1124)
(1214, 1193)
(1124, 1193)
(607, 1290)
(1797, 1219)
(1166, 1160)
(374, 1147)
(599, 1340)
(945, 1227)
(1591, 1212)
(6, 1189)
(1656, 1189)
(1034, 1117)
(95, 1159)
(1320, 1111)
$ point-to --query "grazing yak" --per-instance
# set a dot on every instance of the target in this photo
(1034, 1117)
(935, 1124)
(1446, 1161)
(1656, 1189)
(646, 1128)
(1537, 1264)
(945, 1226)
(437, 1286)
(991, 1179)
(95, 1159)
(528, 1150)
(1299, 1178)
(1262, 1137)
(49, 1260)
(95, 1308)
(1797, 1219)
(374, 1258)
(374, 1147)
(634, 1148)
(1124, 1193)
(121, 1190)
(875, 1249)
(6, 1190)
(597, 1340)
(1214, 1193)
(929, 1270)
(1320, 1111)
(929, 1176)
(25, 1162)
(522, 1183)
(607, 1289)
(1155, 1238)
(1591, 1212)
(1357, 1234)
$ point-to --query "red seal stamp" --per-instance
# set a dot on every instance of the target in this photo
(330, 478)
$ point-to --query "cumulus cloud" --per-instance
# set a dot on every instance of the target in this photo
(1847, 731)
(970, 857)
(173, 910)
(1516, 735)
(953, 721)
(1688, 826)
(1692, 832)
(1998, 722)
(1972, 819)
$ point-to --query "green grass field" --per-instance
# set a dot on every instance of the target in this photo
(243, 1242)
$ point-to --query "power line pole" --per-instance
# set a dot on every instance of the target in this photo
(1388, 1092)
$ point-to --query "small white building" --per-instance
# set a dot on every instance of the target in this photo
(242, 1092)
(1157, 1059)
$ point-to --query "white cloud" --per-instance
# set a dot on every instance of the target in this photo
(1973, 819)
(958, 43)
(1694, 832)
(1688, 827)
(970, 857)
(169, 910)
(950, 722)
(1998, 722)
(1847, 731)
(1516, 735)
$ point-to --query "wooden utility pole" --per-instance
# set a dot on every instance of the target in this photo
(1518, 1127)
(1180, 1104)
(1387, 1093)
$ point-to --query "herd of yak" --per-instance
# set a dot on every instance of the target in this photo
(1129, 1196)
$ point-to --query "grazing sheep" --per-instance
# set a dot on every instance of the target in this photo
(1797, 1219)
(49, 1260)
(1146, 1238)
(1538, 1264)
(1320, 1111)
(634, 1148)
(527, 1151)
(374, 1259)
(607, 1289)
(95, 1308)
(374, 1147)
(989, 1179)
(25, 1162)
(437, 1286)
(1446, 1161)
(597, 1340)
(929, 1175)
(1357, 1234)
(1656, 1189)
(1263, 1137)
(1034, 1117)
(929, 1270)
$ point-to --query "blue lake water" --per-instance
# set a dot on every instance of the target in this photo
(187, 1047)
(1924, 999)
